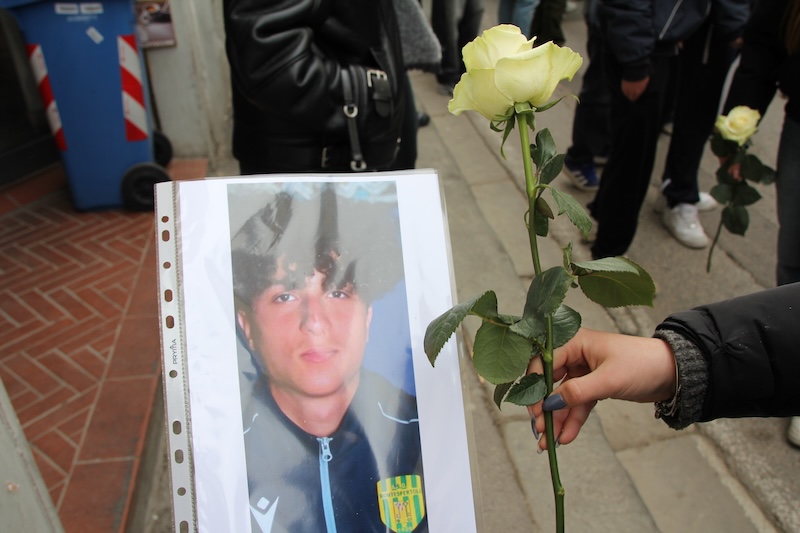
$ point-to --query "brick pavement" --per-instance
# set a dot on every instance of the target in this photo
(79, 349)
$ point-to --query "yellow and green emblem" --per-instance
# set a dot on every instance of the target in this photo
(401, 502)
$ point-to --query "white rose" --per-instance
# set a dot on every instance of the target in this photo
(503, 68)
(740, 124)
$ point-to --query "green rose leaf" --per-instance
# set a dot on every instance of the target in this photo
(443, 327)
(530, 390)
(754, 170)
(541, 224)
(499, 355)
(531, 327)
(500, 393)
(544, 149)
(509, 127)
(543, 207)
(548, 105)
(508, 320)
(724, 176)
(546, 292)
(735, 219)
(567, 204)
(722, 193)
(744, 194)
(566, 323)
(607, 264)
(722, 147)
(551, 168)
(616, 288)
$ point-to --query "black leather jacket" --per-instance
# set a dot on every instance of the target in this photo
(290, 63)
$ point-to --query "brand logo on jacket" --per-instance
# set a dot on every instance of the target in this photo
(264, 513)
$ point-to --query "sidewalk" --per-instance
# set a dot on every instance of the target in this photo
(627, 471)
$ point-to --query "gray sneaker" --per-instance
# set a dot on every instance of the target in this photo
(683, 224)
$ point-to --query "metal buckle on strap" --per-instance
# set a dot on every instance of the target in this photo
(324, 157)
(376, 74)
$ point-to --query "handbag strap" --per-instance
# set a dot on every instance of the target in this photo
(357, 162)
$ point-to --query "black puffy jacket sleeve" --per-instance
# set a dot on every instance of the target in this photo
(751, 347)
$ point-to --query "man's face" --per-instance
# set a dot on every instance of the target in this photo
(311, 339)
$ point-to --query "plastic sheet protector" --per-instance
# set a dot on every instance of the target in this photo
(298, 396)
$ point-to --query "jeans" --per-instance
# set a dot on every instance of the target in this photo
(517, 12)
(787, 191)
(455, 23)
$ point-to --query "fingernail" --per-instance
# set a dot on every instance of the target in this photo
(533, 427)
(554, 403)
(558, 441)
(539, 451)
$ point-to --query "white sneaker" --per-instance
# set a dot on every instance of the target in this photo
(684, 225)
(794, 431)
(706, 203)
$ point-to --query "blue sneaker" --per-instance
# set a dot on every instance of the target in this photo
(583, 177)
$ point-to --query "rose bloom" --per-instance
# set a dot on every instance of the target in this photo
(740, 124)
(503, 68)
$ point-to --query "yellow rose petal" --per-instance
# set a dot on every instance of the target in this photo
(533, 76)
(476, 91)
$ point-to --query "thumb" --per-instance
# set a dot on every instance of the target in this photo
(577, 391)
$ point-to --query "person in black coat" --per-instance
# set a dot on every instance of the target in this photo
(319, 86)
(770, 63)
(642, 41)
(735, 358)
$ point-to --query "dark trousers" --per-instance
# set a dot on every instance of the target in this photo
(455, 23)
(590, 125)
(635, 127)
(702, 67)
(407, 155)
(546, 24)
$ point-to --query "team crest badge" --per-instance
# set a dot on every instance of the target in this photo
(401, 502)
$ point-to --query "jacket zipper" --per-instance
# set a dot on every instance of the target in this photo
(325, 457)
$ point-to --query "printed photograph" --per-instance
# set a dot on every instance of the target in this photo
(329, 409)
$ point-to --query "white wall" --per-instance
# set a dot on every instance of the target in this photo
(191, 84)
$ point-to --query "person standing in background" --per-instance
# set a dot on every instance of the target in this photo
(318, 86)
(771, 61)
(590, 125)
(644, 39)
(702, 67)
(517, 12)
(546, 24)
(455, 23)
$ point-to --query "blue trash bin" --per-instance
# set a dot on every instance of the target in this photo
(90, 70)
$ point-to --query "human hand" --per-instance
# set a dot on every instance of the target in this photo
(734, 169)
(634, 89)
(595, 365)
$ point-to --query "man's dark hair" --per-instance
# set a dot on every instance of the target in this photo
(353, 242)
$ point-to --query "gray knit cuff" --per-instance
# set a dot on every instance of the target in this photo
(693, 378)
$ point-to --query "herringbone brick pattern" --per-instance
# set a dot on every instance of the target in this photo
(79, 349)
